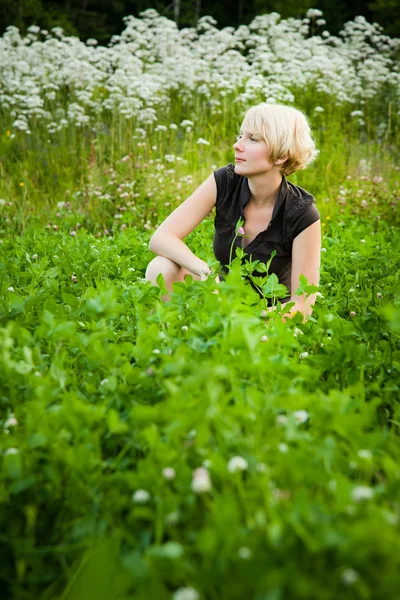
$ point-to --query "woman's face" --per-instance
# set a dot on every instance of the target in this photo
(251, 154)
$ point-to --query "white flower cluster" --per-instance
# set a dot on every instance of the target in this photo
(141, 68)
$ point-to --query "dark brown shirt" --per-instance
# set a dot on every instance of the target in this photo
(293, 212)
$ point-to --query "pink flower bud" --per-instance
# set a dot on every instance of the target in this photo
(73, 233)
(240, 231)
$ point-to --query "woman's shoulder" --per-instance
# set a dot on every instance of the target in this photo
(299, 197)
(226, 173)
(227, 181)
(301, 210)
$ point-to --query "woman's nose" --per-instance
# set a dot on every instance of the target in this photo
(237, 146)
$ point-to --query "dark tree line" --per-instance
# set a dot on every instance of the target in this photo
(100, 19)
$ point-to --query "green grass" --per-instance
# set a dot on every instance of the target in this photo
(103, 385)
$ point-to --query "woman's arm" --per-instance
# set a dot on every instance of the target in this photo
(167, 239)
(306, 260)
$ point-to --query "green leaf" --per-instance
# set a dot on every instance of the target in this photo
(304, 288)
(52, 272)
(70, 299)
(274, 289)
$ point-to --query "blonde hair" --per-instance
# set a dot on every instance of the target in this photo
(286, 131)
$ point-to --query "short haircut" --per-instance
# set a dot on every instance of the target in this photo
(286, 131)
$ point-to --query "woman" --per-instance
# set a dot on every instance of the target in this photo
(274, 142)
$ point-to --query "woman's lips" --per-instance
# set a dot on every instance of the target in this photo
(239, 159)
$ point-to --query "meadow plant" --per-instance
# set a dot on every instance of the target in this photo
(201, 447)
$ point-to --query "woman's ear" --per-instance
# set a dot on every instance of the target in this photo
(279, 161)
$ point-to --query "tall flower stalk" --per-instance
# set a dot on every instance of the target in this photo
(239, 232)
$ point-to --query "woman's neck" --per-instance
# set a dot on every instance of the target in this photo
(264, 188)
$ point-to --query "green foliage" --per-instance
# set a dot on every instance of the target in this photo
(104, 386)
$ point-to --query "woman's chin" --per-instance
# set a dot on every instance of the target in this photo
(239, 167)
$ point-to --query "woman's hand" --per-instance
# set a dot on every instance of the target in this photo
(202, 270)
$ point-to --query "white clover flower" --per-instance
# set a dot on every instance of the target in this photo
(11, 451)
(301, 416)
(201, 482)
(244, 553)
(172, 518)
(297, 332)
(367, 454)
(318, 109)
(281, 419)
(237, 463)
(11, 289)
(349, 576)
(141, 497)
(186, 593)
(303, 355)
(185, 327)
(11, 421)
(169, 473)
(323, 249)
(262, 467)
(362, 492)
(203, 142)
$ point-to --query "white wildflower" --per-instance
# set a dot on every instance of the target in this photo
(141, 497)
(244, 553)
(367, 454)
(172, 518)
(281, 419)
(11, 421)
(303, 355)
(11, 451)
(362, 492)
(301, 416)
(237, 463)
(349, 576)
(203, 142)
(186, 593)
(169, 473)
(201, 482)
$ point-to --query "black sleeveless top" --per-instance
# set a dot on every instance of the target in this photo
(293, 212)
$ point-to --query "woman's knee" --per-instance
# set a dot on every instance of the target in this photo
(163, 265)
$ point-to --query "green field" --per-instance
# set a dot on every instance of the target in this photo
(194, 449)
